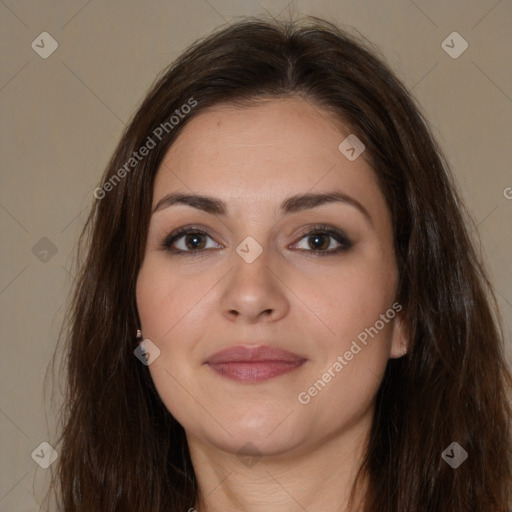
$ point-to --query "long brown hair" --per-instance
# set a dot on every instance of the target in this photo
(120, 448)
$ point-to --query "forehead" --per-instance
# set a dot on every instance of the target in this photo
(263, 153)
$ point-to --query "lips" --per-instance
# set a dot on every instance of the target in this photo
(254, 363)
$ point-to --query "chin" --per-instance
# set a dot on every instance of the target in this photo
(257, 444)
(267, 434)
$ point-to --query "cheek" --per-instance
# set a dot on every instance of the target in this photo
(349, 303)
(169, 319)
(342, 387)
(175, 312)
(349, 298)
(163, 298)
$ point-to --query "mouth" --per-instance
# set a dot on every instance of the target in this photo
(252, 364)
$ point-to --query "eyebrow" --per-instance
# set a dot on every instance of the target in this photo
(290, 205)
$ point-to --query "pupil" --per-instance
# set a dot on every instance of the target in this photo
(315, 238)
(197, 240)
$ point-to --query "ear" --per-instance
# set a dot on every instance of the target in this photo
(400, 339)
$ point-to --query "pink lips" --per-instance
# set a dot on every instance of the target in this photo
(253, 363)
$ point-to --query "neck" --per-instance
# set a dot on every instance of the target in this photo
(317, 477)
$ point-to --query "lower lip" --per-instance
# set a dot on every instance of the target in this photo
(254, 371)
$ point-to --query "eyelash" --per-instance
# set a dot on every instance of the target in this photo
(322, 229)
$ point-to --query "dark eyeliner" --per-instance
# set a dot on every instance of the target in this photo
(177, 234)
(322, 229)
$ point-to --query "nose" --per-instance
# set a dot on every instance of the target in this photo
(254, 292)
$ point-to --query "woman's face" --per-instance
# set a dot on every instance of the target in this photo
(250, 276)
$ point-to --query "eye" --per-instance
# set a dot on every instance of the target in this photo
(319, 239)
(193, 241)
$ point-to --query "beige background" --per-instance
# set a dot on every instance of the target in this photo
(62, 116)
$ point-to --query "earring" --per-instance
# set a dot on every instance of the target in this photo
(139, 334)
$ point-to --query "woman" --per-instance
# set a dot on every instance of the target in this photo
(279, 306)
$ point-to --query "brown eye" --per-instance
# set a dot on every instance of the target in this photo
(194, 241)
(319, 241)
(188, 240)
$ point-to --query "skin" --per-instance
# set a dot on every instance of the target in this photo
(192, 306)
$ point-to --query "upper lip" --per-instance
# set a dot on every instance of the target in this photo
(251, 354)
